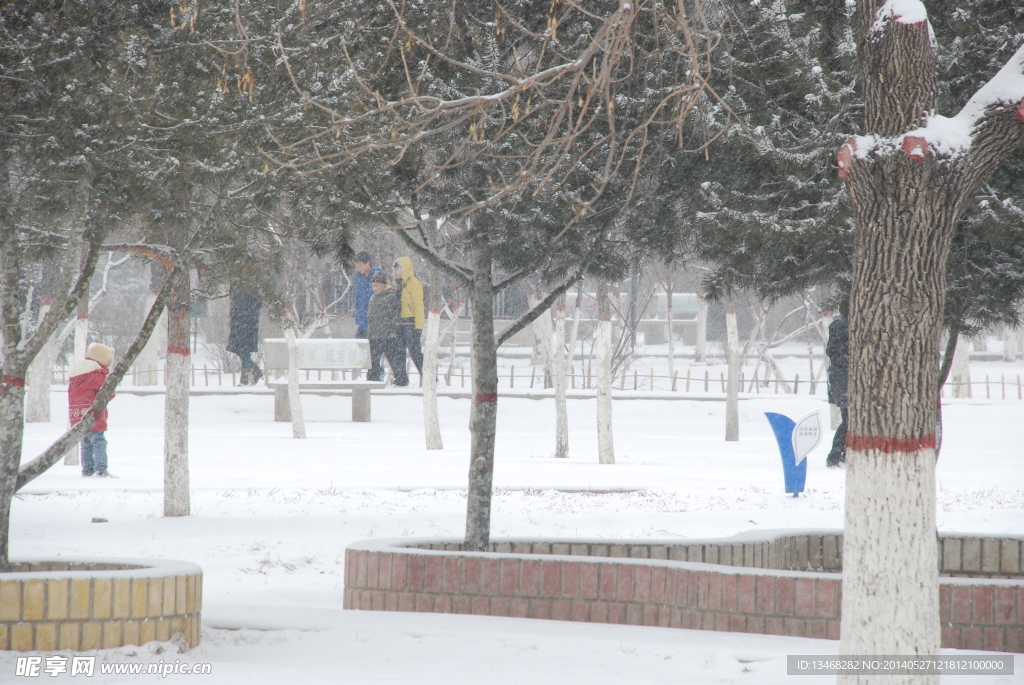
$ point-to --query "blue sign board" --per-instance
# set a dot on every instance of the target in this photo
(796, 440)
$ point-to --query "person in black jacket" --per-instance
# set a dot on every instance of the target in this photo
(838, 351)
(244, 336)
(382, 331)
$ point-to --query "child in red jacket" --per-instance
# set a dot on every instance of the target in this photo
(87, 377)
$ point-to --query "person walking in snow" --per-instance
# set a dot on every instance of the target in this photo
(364, 272)
(838, 351)
(382, 330)
(87, 377)
(411, 317)
(244, 334)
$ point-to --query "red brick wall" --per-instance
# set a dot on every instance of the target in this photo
(652, 592)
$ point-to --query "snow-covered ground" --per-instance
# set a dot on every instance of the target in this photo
(272, 516)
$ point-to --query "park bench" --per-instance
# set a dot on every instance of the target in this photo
(337, 357)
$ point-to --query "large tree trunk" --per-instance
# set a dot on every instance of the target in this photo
(431, 342)
(605, 441)
(908, 194)
(732, 383)
(176, 479)
(561, 381)
(40, 376)
(484, 412)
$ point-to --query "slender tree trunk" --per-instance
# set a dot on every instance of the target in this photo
(543, 351)
(431, 340)
(40, 376)
(671, 336)
(294, 398)
(149, 361)
(176, 478)
(605, 442)
(732, 384)
(1009, 345)
(80, 346)
(561, 381)
(484, 413)
(700, 349)
(960, 368)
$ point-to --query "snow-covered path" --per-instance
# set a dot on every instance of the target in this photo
(272, 516)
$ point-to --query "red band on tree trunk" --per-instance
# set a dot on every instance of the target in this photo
(176, 349)
(436, 310)
(878, 443)
(604, 318)
(915, 147)
(14, 381)
(1020, 111)
(84, 316)
(484, 397)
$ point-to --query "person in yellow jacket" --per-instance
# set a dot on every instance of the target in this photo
(411, 317)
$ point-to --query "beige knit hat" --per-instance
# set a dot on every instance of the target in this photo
(100, 353)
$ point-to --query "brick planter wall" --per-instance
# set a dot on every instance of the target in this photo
(749, 583)
(83, 604)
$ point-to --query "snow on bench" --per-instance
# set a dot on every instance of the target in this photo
(322, 354)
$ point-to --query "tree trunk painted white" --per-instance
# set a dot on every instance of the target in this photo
(671, 336)
(177, 501)
(732, 416)
(700, 349)
(294, 399)
(961, 369)
(545, 352)
(81, 345)
(81, 336)
(40, 378)
(1009, 345)
(605, 444)
(146, 368)
(537, 357)
(431, 340)
(561, 380)
(573, 335)
(877, 577)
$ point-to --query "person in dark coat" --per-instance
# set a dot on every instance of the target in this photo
(382, 329)
(364, 272)
(838, 351)
(244, 338)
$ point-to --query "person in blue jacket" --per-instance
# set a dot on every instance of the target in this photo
(364, 269)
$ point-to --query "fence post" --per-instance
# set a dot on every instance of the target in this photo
(652, 379)
(533, 374)
(988, 394)
(796, 385)
(723, 381)
(512, 377)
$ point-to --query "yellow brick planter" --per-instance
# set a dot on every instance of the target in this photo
(83, 604)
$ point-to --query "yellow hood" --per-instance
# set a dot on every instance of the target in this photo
(405, 264)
